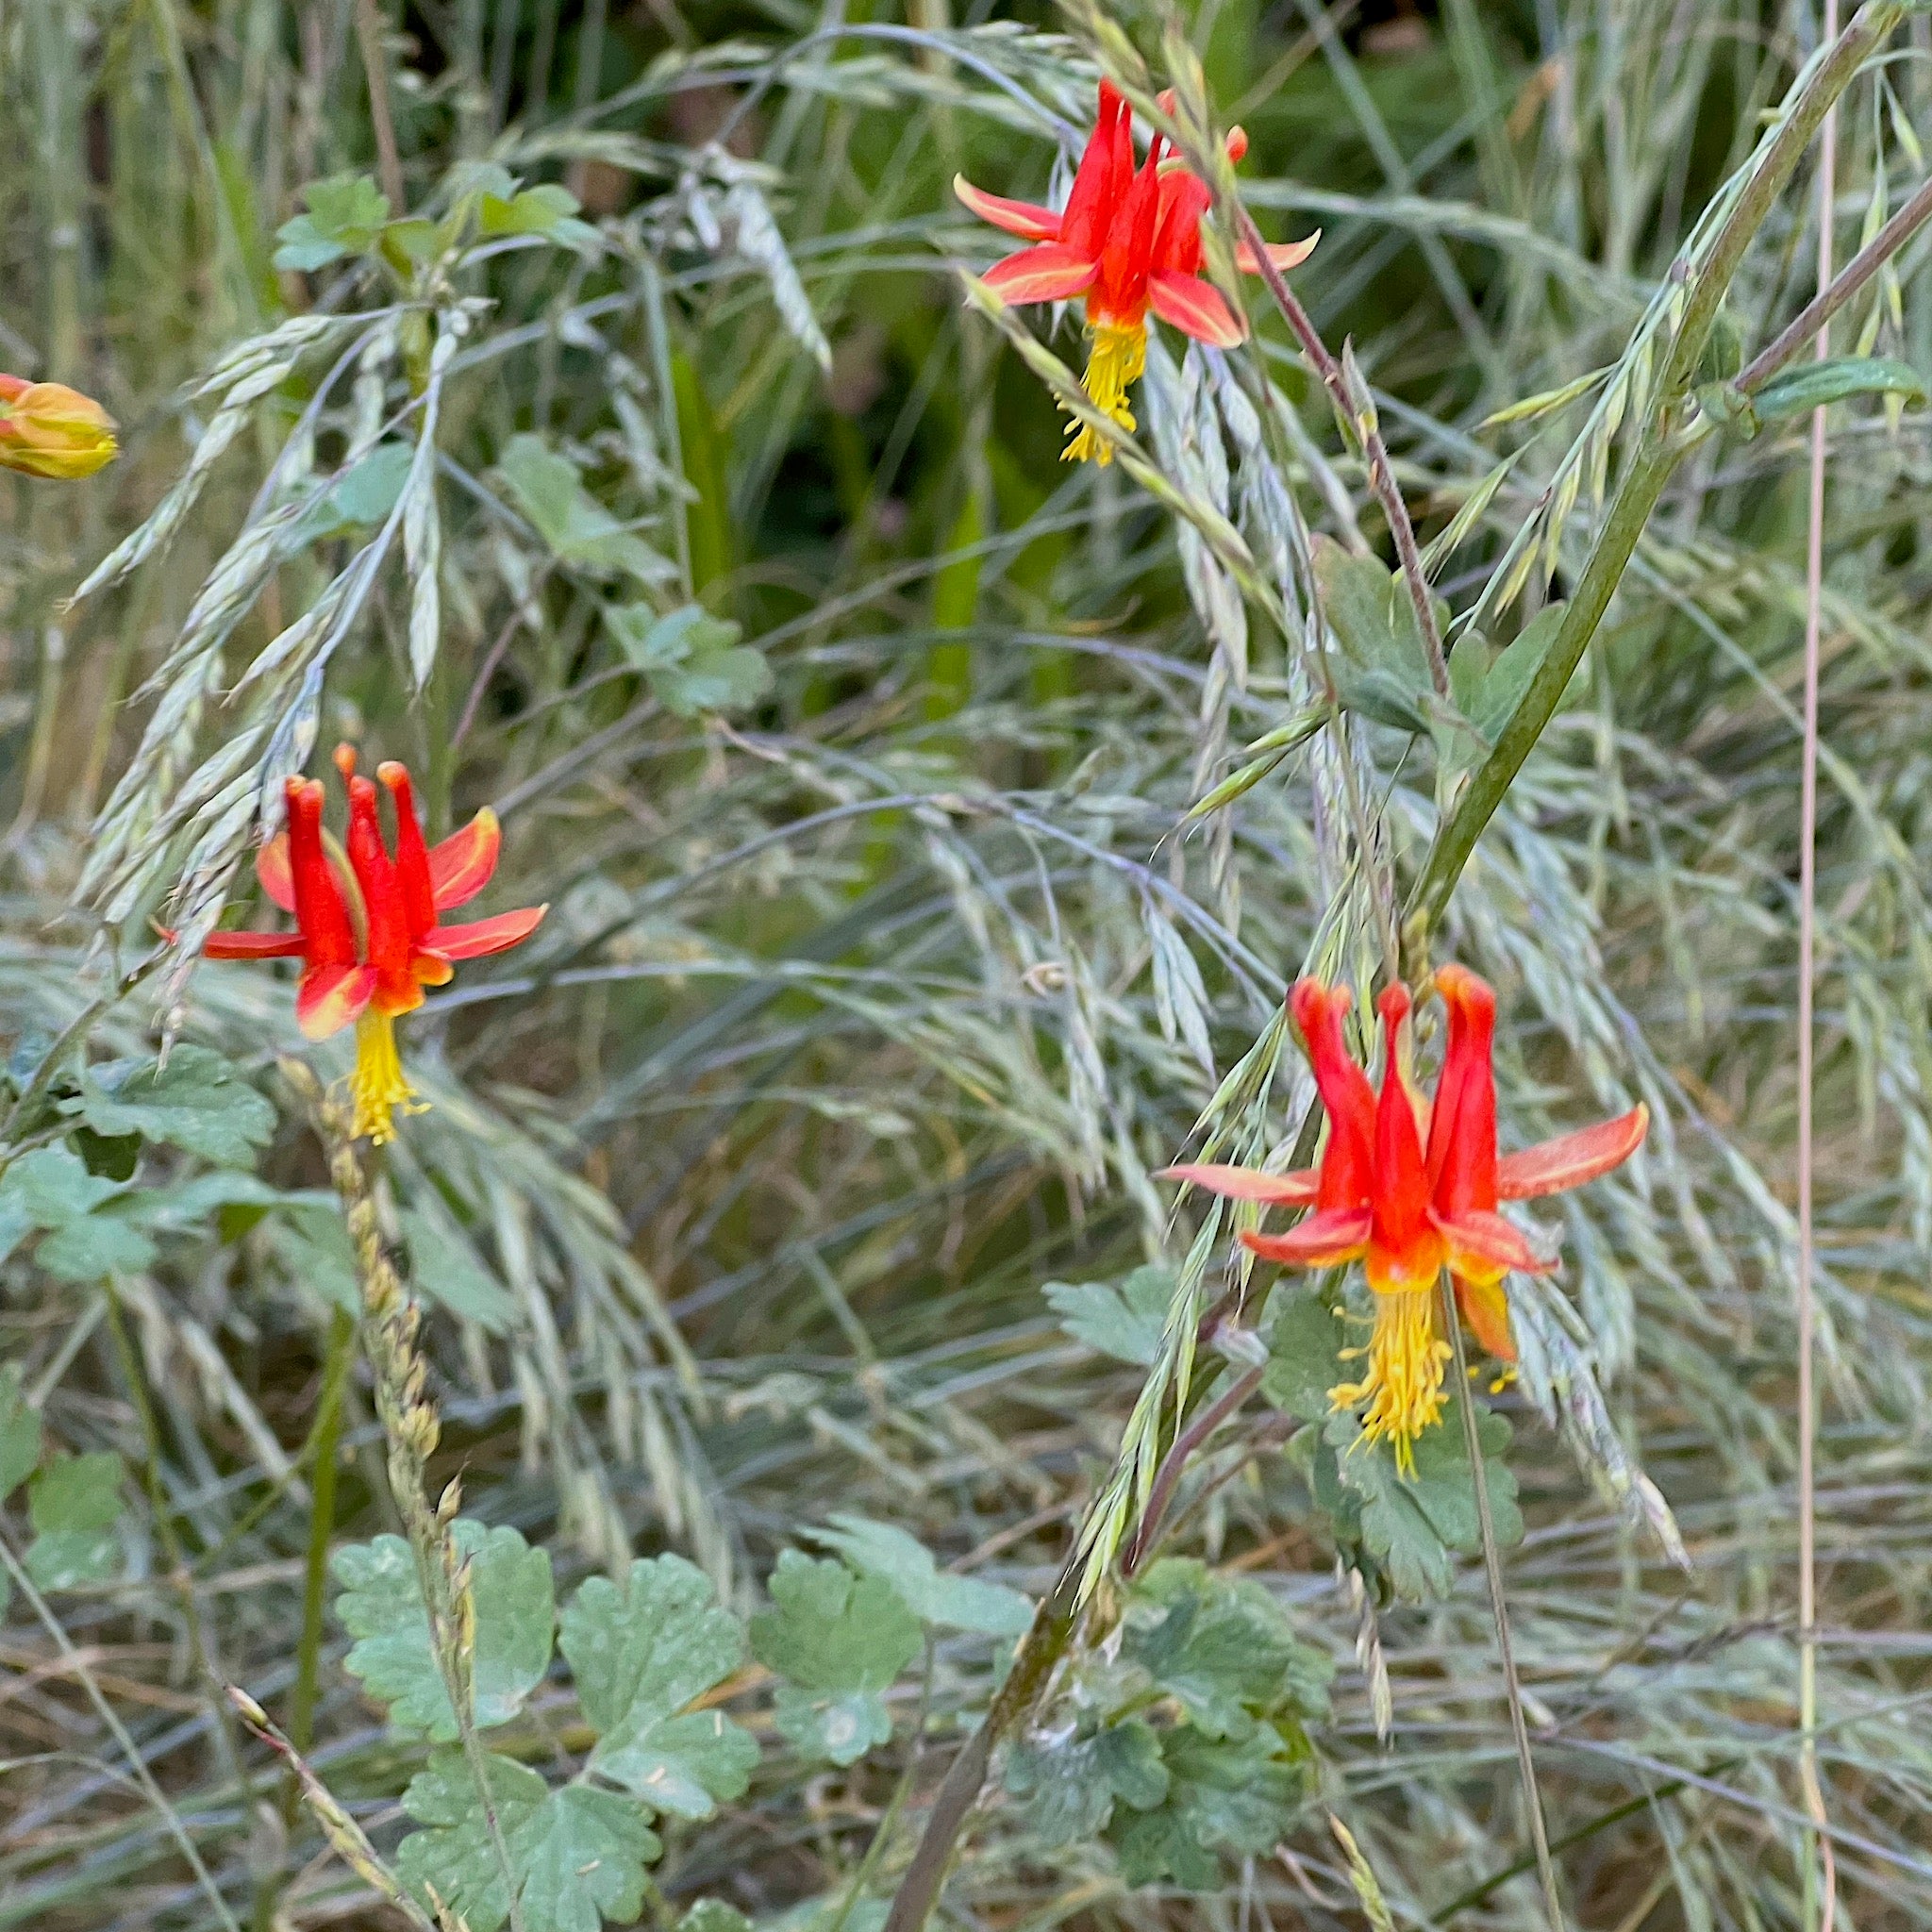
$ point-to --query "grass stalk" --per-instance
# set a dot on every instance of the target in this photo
(411, 1429)
(1819, 1912)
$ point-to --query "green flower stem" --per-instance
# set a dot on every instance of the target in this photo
(1912, 216)
(1492, 1565)
(1045, 1643)
(1641, 485)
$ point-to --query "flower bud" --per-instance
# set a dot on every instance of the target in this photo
(47, 430)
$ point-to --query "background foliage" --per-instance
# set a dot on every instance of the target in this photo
(784, 1215)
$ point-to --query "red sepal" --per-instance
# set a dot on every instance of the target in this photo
(1297, 1190)
(1325, 1240)
(1487, 1246)
(1196, 309)
(1570, 1160)
(464, 862)
(485, 936)
(1051, 273)
(331, 996)
(253, 946)
(1025, 219)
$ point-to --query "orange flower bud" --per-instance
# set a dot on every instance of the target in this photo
(47, 430)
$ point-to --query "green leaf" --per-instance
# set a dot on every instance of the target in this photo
(187, 1207)
(720, 681)
(381, 1606)
(362, 495)
(549, 209)
(51, 1187)
(19, 1433)
(713, 1915)
(1223, 1647)
(75, 1505)
(444, 1268)
(1223, 1796)
(576, 1855)
(574, 524)
(840, 1639)
(1409, 1526)
(693, 659)
(94, 1245)
(953, 1603)
(1808, 386)
(1382, 669)
(831, 1912)
(1071, 1785)
(1305, 1342)
(346, 212)
(1126, 1323)
(347, 209)
(196, 1100)
(1505, 676)
(303, 245)
(414, 242)
(640, 1652)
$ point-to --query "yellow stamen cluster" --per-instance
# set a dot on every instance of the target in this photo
(1116, 357)
(1403, 1385)
(378, 1085)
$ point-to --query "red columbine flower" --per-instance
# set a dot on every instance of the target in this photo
(1129, 240)
(47, 430)
(1407, 1212)
(368, 926)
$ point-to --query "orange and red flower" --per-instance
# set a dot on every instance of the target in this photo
(47, 430)
(368, 926)
(1129, 240)
(1407, 1209)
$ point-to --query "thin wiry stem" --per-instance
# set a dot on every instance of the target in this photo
(1175, 1461)
(388, 161)
(1819, 1841)
(1493, 1564)
(1360, 421)
(1810, 323)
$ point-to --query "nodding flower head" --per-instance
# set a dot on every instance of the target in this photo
(368, 923)
(1129, 240)
(1407, 1207)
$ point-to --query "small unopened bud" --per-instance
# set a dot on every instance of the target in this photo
(47, 430)
(251, 1712)
(449, 1507)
